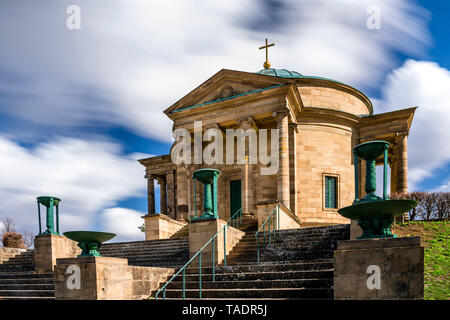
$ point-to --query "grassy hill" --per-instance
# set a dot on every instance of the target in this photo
(435, 238)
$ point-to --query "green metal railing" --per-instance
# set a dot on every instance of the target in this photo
(275, 214)
(234, 221)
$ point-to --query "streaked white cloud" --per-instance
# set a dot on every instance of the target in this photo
(123, 222)
(132, 59)
(88, 176)
(426, 85)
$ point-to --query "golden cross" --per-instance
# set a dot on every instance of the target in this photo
(267, 63)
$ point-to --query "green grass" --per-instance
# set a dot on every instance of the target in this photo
(435, 238)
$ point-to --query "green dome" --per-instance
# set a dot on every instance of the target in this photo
(280, 73)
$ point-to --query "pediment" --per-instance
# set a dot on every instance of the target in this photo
(225, 84)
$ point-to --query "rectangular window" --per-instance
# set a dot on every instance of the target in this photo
(330, 192)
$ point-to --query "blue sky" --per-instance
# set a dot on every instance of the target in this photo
(79, 107)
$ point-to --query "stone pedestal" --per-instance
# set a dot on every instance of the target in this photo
(48, 248)
(201, 231)
(104, 278)
(390, 268)
(160, 226)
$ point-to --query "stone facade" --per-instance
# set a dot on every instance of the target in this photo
(319, 121)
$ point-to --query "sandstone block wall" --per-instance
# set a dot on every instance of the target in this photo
(332, 98)
(7, 253)
(104, 278)
(323, 151)
(161, 226)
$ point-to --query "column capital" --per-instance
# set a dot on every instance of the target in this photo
(246, 122)
(293, 126)
(279, 114)
(160, 179)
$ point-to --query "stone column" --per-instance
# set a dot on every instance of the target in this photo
(247, 169)
(283, 149)
(162, 193)
(392, 165)
(171, 197)
(151, 194)
(293, 166)
(182, 193)
(402, 164)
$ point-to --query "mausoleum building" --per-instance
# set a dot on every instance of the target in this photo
(319, 120)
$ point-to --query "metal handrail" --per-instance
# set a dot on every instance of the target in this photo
(275, 211)
(236, 221)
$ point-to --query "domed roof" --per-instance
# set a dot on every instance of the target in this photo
(280, 73)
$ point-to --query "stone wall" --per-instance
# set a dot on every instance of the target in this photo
(104, 278)
(287, 218)
(323, 150)
(48, 248)
(7, 253)
(160, 226)
(332, 98)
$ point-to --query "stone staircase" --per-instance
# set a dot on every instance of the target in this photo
(18, 281)
(297, 264)
(182, 233)
(172, 253)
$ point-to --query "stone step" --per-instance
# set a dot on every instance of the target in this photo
(16, 268)
(27, 281)
(295, 236)
(28, 286)
(161, 264)
(167, 251)
(261, 284)
(267, 267)
(23, 255)
(143, 247)
(27, 293)
(343, 228)
(296, 255)
(294, 233)
(25, 275)
(157, 263)
(174, 249)
(19, 260)
(254, 293)
(168, 264)
(258, 275)
(145, 243)
(151, 256)
(27, 298)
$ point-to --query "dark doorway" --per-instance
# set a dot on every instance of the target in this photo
(235, 197)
